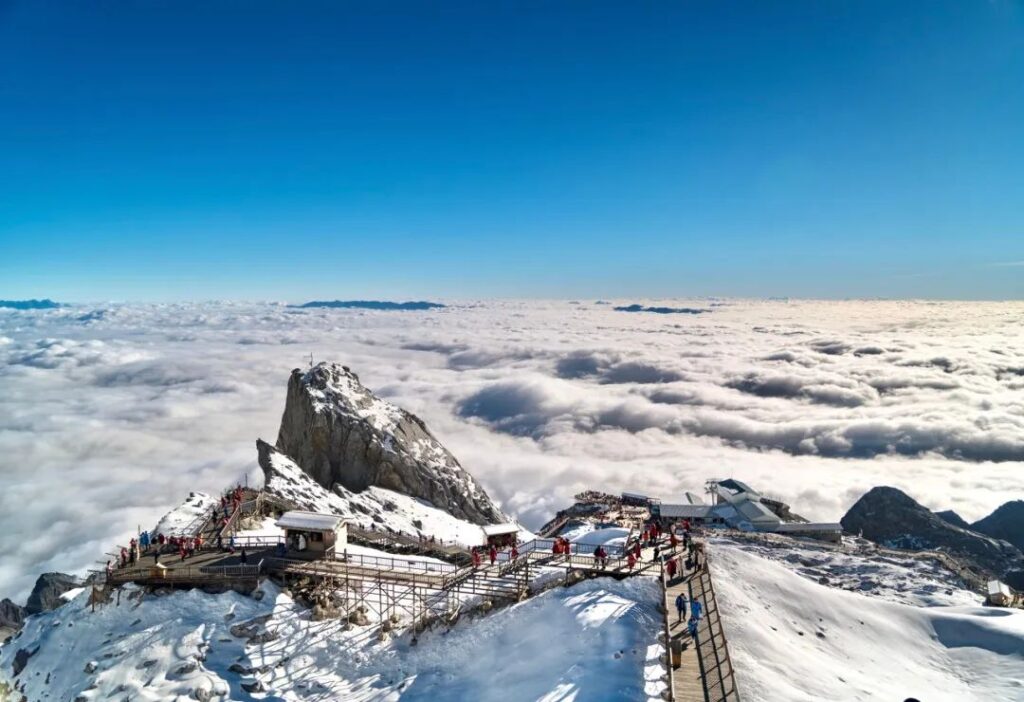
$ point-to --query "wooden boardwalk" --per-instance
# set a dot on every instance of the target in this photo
(705, 672)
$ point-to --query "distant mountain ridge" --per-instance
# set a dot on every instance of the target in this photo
(373, 304)
(44, 304)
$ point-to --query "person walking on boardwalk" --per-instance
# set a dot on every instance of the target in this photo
(630, 561)
(691, 626)
(243, 557)
(476, 558)
(696, 609)
(680, 605)
(124, 557)
(493, 554)
(514, 553)
(670, 568)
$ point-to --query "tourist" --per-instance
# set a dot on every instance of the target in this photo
(514, 553)
(630, 561)
(680, 605)
(493, 553)
(670, 567)
(696, 609)
(476, 558)
(657, 550)
(124, 557)
(110, 569)
(182, 553)
(156, 558)
(691, 627)
(672, 540)
(696, 559)
(243, 557)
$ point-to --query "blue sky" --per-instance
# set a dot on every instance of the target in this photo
(169, 150)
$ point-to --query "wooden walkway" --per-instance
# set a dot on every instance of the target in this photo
(705, 672)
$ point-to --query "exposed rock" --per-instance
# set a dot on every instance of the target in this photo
(46, 595)
(339, 433)
(21, 660)
(12, 616)
(953, 518)
(890, 517)
(1006, 523)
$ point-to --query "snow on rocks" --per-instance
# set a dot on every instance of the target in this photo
(915, 581)
(373, 508)
(794, 640)
(182, 518)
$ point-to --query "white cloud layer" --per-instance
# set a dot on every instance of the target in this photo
(111, 414)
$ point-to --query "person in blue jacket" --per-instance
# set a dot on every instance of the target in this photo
(696, 609)
(680, 605)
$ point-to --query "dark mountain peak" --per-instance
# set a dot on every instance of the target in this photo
(1006, 523)
(951, 517)
(891, 518)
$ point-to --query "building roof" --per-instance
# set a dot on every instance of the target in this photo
(797, 527)
(499, 529)
(310, 521)
(998, 588)
(693, 498)
(737, 486)
(684, 511)
(756, 512)
(634, 496)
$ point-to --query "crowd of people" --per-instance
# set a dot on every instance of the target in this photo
(157, 544)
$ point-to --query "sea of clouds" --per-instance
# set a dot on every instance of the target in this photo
(111, 414)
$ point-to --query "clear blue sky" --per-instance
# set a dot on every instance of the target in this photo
(169, 150)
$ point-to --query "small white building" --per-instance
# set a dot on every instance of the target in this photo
(500, 535)
(999, 594)
(313, 531)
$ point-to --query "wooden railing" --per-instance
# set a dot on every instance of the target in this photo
(716, 664)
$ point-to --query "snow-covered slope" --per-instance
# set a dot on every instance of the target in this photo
(374, 507)
(794, 640)
(595, 641)
(178, 521)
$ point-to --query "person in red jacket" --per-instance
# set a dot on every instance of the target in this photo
(476, 558)
(631, 561)
(493, 554)
(670, 568)
(514, 553)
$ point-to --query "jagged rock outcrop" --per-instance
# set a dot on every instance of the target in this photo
(340, 433)
(953, 518)
(890, 517)
(12, 616)
(1006, 523)
(46, 595)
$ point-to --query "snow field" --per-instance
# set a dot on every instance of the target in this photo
(793, 640)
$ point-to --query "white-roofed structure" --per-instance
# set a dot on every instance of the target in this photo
(500, 534)
(999, 594)
(313, 531)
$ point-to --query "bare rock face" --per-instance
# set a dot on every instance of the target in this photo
(46, 595)
(892, 518)
(340, 433)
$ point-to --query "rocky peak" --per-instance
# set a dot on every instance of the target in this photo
(1006, 523)
(46, 595)
(12, 616)
(892, 518)
(953, 518)
(340, 433)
